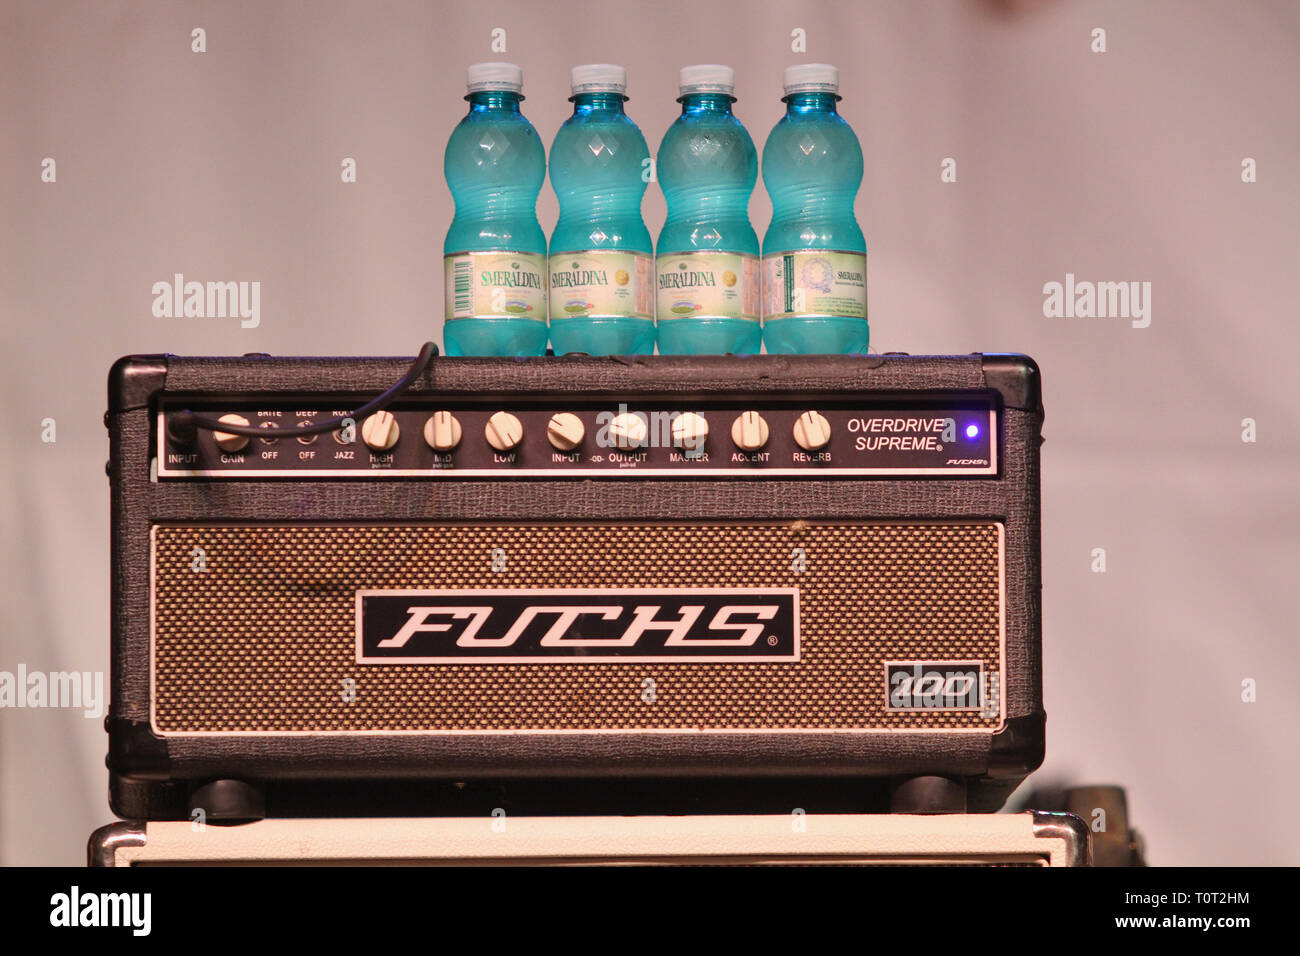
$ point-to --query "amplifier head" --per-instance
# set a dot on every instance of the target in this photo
(753, 568)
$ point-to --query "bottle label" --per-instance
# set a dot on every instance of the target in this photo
(815, 282)
(715, 285)
(602, 283)
(495, 285)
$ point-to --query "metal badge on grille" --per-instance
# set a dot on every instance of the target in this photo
(580, 625)
(938, 685)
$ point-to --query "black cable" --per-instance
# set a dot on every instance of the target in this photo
(183, 426)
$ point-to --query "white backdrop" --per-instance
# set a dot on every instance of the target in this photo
(1117, 166)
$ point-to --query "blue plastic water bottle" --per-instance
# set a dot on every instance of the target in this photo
(601, 265)
(494, 259)
(708, 271)
(814, 254)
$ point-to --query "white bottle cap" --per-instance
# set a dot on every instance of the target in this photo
(494, 76)
(707, 78)
(811, 78)
(598, 78)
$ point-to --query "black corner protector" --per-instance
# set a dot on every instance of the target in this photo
(134, 751)
(133, 380)
(101, 849)
(1019, 748)
(1016, 378)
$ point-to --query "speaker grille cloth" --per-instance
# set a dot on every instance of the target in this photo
(263, 637)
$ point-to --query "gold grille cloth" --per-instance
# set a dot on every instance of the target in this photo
(264, 638)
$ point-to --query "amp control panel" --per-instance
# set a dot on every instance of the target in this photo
(452, 438)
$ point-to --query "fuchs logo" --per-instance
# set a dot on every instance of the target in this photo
(936, 685)
(578, 625)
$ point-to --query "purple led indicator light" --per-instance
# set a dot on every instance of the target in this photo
(972, 431)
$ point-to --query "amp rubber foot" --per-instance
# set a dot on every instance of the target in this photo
(228, 802)
(927, 795)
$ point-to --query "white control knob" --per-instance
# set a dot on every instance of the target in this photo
(503, 431)
(442, 431)
(749, 431)
(565, 431)
(380, 431)
(229, 441)
(628, 431)
(812, 431)
(690, 431)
